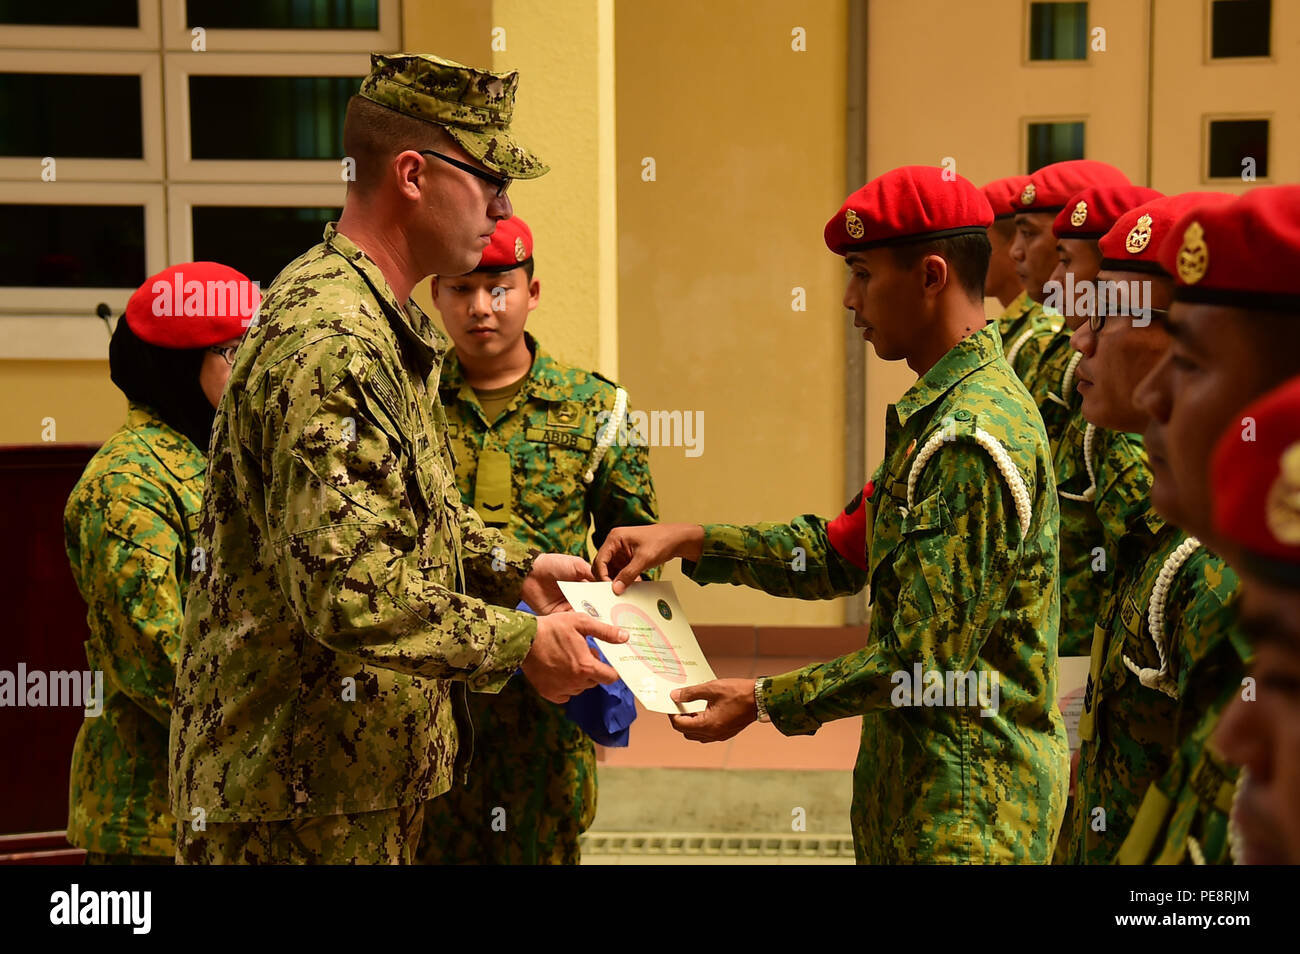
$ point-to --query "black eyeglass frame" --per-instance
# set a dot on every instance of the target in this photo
(501, 182)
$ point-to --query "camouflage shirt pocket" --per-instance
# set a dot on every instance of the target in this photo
(928, 564)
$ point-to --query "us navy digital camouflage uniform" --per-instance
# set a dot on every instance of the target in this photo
(320, 645)
(129, 529)
(1151, 696)
(958, 585)
(530, 759)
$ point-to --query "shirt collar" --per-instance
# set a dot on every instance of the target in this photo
(1017, 306)
(411, 321)
(172, 449)
(545, 378)
(970, 354)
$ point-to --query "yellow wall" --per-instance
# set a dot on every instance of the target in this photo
(85, 405)
(748, 140)
(1189, 86)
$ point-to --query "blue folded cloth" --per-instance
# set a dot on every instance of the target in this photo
(605, 713)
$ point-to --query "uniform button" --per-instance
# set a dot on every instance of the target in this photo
(962, 415)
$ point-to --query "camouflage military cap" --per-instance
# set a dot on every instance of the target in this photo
(474, 105)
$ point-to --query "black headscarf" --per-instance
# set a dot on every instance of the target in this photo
(164, 379)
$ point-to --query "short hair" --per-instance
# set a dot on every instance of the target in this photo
(374, 134)
(967, 257)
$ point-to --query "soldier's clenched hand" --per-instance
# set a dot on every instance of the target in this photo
(560, 664)
(630, 551)
(731, 708)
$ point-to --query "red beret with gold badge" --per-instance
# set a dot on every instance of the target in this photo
(1256, 478)
(1000, 192)
(1090, 213)
(905, 205)
(193, 305)
(1133, 242)
(511, 247)
(1050, 187)
(1242, 254)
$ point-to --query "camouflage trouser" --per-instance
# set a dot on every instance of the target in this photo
(531, 791)
(1065, 840)
(105, 858)
(388, 836)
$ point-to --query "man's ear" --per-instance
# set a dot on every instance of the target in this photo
(433, 287)
(534, 293)
(406, 168)
(934, 268)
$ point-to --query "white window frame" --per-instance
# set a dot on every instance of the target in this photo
(178, 67)
(56, 323)
(146, 36)
(177, 35)
(89, 169)
(181, 200)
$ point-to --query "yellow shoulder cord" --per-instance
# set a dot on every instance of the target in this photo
(607, 435)
(1089, 433)
(1159, 678)
(1019, 493)
(1066, 380)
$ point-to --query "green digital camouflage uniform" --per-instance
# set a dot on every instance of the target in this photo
(524, 472)
(1100, 506)
(1020, 326)
(1117, 486)
(1133, 725)
(319, 647)
(129, 530)
(957, 586)
(1050, 379)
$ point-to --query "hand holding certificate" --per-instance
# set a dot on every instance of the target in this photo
(661, 653)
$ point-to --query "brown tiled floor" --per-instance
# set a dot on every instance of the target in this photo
(654, 742)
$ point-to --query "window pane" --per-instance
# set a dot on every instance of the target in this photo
(226, 234)
(268, 117)
(1232, 140)
(283, 15)
(1241, 28)
(72, 246)
(1058, 31)
(46, 114)
(1053, 142)
(104, 13)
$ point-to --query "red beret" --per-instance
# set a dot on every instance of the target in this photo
(1000, 192)
(1257, 484)
(193, 305)
(511, 246)
(908, 204)
(1090, 213)
(1050, 187)
(1244, 254)
(1133, 242)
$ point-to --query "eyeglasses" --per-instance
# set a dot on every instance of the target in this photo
(227, 352)
(501, 182)
(1098, 318)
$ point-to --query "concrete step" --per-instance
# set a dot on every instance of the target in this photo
(723, 801)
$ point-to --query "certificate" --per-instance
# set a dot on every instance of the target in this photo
(661, 653)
